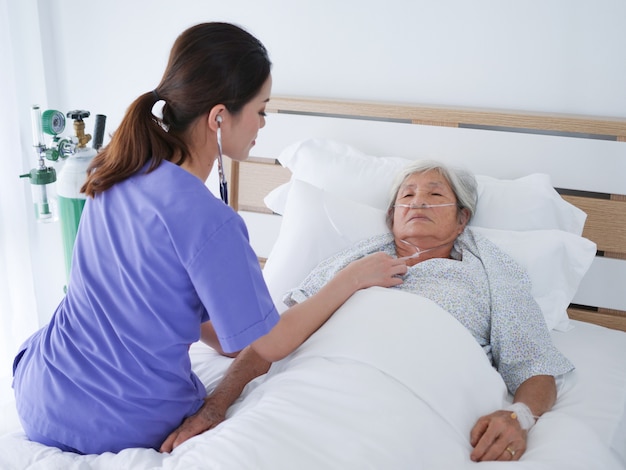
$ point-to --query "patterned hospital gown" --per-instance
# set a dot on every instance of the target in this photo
(483, 288)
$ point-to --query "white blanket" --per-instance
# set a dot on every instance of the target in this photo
(391, 381)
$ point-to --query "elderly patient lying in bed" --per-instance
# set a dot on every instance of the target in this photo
(472, 279)
(482, 287)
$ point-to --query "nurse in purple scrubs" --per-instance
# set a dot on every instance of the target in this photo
(160, 263)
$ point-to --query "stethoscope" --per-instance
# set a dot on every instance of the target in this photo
(220, 165)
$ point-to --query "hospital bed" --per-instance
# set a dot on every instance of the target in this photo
(379, 385)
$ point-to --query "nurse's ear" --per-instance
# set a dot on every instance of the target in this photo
(216, 116)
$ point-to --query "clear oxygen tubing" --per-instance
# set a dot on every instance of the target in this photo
(418, 251)
(424, 205)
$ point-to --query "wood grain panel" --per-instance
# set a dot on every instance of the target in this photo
(449, 116)
(606, 222)
(609, 318)
(257, 177)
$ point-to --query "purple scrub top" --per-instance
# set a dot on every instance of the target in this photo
(155, 256)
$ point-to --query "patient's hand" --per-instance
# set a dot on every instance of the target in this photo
(497, 436)
(247, 366)
(207, 417)
(377, 269)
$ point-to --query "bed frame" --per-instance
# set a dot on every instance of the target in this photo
(584, 155)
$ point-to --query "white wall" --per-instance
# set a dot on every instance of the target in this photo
(561, 55)
(556, 56)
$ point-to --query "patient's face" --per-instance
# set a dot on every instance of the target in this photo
(427, 227)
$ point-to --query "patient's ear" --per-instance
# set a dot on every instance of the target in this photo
(464, 216)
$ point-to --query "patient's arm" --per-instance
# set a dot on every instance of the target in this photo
(495, 433)
(247, 366)
(538, 393)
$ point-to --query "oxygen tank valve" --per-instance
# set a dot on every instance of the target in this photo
(79, 126)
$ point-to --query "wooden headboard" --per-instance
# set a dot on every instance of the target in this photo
(584, 155)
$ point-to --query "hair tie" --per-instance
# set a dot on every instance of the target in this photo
(157, 110)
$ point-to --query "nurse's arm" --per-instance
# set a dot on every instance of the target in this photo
(209, 337)
(300, 321)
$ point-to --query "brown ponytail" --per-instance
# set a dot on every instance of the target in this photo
(210, 64)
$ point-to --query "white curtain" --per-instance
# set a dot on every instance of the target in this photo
(18, 311)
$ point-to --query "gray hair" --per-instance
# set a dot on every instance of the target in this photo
(461, 181)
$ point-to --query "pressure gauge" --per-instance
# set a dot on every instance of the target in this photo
(53, 122)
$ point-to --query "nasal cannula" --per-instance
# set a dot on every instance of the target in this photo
(424, 205)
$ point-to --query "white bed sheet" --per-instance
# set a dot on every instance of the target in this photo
(344, 401)
(596, 391)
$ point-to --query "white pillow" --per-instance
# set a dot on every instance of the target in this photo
(276, 199)
(340, 169)
(317, 223)
(528, 203)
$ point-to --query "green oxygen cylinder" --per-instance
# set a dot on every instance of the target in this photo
(71, 178)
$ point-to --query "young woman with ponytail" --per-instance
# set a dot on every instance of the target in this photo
(159, 263)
